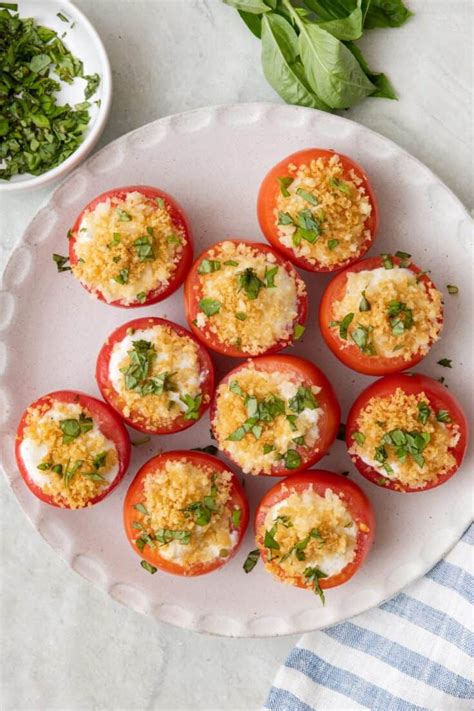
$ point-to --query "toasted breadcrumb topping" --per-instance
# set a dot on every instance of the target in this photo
(326, 211)
(127, 247)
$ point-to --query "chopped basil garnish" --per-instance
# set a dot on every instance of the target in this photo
(173, 239)
(304, 399)
(284, 218)
(364, 304)
(251, 560)
(235, 388)
(309, 197)
(423, 412)
(443, 416)
(285, 183)
(344, 325)
(139, 442)
(192, 404)
(231, 263)
(210, 449)
(236, 517)
(412, 443)
(122, 276)
(292, 459)
(400, 317)
(250, 283)
(359, 437)
(269, 540)
(149, 568)
(141, 297)
(340, 185)
(72, 428)
(123, 216)
(240, 315)
(313, 575)
(44, 466)
(360, 336)
(445, 362)
(141, 508)
(267, 448)
(452, 289)
(144, 249)
(208, 266)
(269, 276)
(61, 263)
(299, 330)
(387, 261)
(165, 535)
(209, 306)
(332, 243)
(402, 255)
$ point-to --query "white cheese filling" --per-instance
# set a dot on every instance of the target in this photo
(176, 551)
(34, 454)
(188, 379)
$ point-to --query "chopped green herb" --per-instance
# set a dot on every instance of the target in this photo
(160, 202)
(193, 405)
(72, 428)
(267, 448)
(299, 330)
(400, 317)
(165, 535)
(235, 388)
(359, 437)
(332, 243)
(173, 239)
(58, 14)
(231, 263)
(284, 520)
(344, 325)
(284, 218)
(122, 276)
(61, 263)
(445, 362)
(240, 315)
(251, 560)
(208, 266)
(402, 255)
(292, 459)
(452, 289)
(364, 304)
(209, 306)
(360, 336)
(250, 283)
(141, 508)
(443, 416)
(93, 81)
(141, 297)
(423, 412)
(122, 215)
(144, 249)
(236, 517)
(148, 567)
(285, 183)
(309, 197)
(139, 442)
(269, 540)
(387, 261)
(313, 575)
(57, 469)
(269, 277)
(304, 399)
(340, 185)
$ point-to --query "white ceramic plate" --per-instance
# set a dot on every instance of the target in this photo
(213, 160)
(83, 41)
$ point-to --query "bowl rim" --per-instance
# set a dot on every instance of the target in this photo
(91, 139)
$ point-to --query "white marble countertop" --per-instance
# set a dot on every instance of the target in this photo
(66, 645)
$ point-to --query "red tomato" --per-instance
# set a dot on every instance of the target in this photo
(439, 399)
(109, 424)
(292, 366)
(347, 351)
(193, 294)
(135, 496)
(353, 497)
(270, 189)
(135, 419)
(179, 221)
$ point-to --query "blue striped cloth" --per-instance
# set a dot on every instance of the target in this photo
(413, 652)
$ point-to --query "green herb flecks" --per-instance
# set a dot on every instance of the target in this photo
(144, 249)
(298, 331)
(210, 306)
(250, 283)
(251, 560)
(193, 405)
(364, 305)
(208, 266)
(452, 289)
(309, 197)
(72, 428)
(313, 575)
(148, 567)
(423, 412)
(445, 362)
(62, 263)
(400, 317)
(284, 184)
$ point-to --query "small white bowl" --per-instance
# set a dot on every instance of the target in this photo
(85, 44)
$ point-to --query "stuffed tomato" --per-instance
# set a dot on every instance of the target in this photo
(71, 449)
(131, 246)
(275, 415)
(314, 530)
(318, 208)
(406, 432)
(381, 315)
(242, 298)
(156, 375)
(185, 513)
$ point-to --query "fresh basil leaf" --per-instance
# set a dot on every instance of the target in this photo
(299, 330)
(383, 86)
(333, 72)
(141, 508)
(346, 28)
(269, 277)
(93, 81)
(443, 416)
(269, 540)
(445, 362)
(255, 7)
(423, 412)
(344, 325)
(250, 283)
(284, 218)
(253, 22)
(284, 184)
(61, 263)
(148, 567)
(292, 459)
(309, 197)
(208, 266)
(144, 249)
(193, 405)
(364, 304)
(332, 243)
(359, 437)
(281, 64)
(386, 13)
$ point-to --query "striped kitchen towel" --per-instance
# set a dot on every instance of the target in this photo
(413, 652)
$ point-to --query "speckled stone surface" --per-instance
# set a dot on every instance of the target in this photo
(65, 644)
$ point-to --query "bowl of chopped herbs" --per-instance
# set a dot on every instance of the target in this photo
(55, 91)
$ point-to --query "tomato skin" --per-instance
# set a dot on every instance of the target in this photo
(351, 355)
(357, 504)
(111, 396)
(439, 399)
(179, 220)
(327, 400)
(270, 189)
(135, 495)
(192, 296)
(109, 423)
